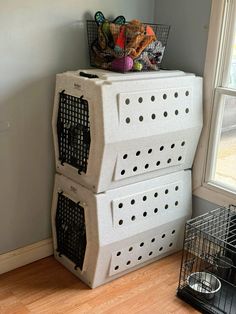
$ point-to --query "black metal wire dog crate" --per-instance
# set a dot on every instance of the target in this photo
(208, 270)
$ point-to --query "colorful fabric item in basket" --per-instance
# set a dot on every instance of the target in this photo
(120, 40)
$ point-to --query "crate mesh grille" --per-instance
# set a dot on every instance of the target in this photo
(70, 230)
(73, 131)
(218, 225)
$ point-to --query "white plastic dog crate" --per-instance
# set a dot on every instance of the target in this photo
(100, 237)
(115, 129)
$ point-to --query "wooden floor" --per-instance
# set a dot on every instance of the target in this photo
(46, 287)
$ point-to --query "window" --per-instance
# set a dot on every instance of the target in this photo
(215, 165)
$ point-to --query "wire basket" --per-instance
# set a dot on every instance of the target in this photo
(208, 270)
(120, 52)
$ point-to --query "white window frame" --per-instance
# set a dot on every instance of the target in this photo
(219, 31)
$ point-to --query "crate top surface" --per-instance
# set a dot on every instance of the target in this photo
(110, 76)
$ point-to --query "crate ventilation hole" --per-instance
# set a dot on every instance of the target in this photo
(143, 251)
(154, 115)
(157, 164)
(147, 206)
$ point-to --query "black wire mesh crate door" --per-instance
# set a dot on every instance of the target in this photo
(70, 230)
(208, 270)
(73, 131)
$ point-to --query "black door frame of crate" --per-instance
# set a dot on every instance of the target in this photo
(73, 131)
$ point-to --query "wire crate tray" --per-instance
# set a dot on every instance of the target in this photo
(131, 52)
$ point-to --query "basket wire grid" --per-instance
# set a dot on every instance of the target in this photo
(161, 31)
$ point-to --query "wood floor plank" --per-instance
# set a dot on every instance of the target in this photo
(9, 304)
(47, 287)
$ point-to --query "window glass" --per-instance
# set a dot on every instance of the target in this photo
(225, 170)
(232, 65)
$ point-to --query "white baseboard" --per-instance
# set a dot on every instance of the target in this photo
(25, 255)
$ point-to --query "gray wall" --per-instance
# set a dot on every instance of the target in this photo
(189, 20)
(38, 38)
(201, 206)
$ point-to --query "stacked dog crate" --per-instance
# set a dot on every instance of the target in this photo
(124, 146)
